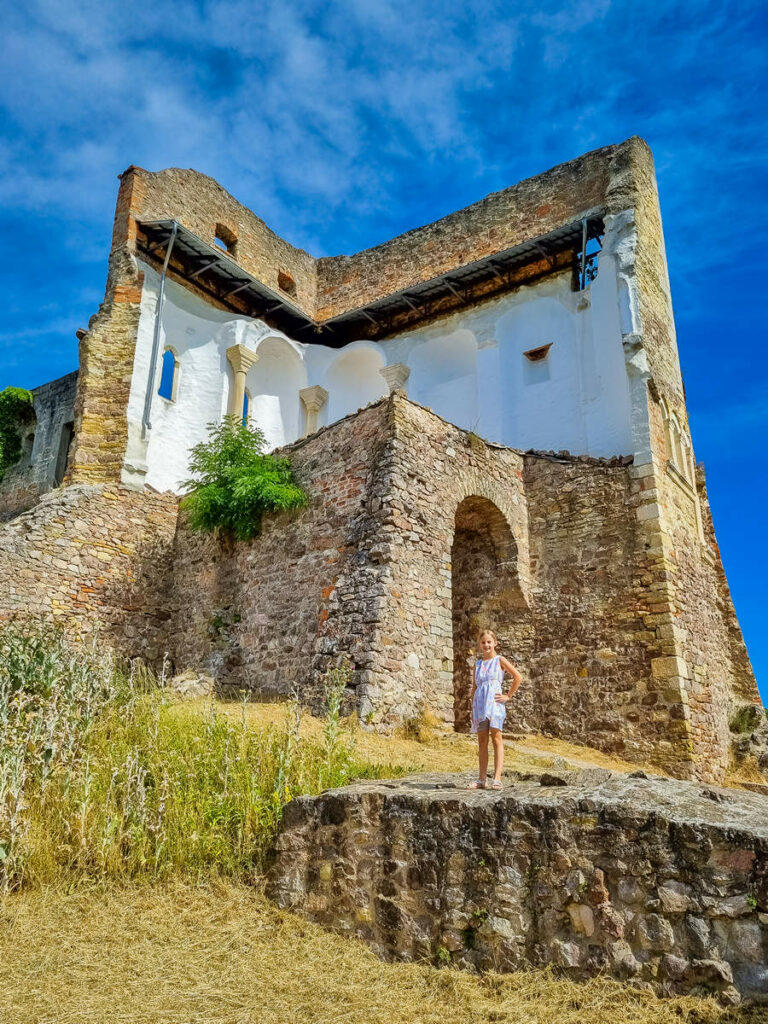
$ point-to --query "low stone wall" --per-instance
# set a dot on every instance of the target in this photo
(659, 882)
(93, 558)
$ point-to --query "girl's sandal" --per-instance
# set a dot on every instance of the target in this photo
(477, 784)
(496, 784)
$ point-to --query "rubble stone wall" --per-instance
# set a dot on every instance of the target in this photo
(591, 664)
(660, 883)
(93, 558)
(419, 533)
(416, 534)
(276, 612)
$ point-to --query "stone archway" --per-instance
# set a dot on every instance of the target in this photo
(486, 593)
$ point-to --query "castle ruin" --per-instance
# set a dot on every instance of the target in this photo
(489, 418)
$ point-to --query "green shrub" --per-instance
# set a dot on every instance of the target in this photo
(234, 483)
(15, 409)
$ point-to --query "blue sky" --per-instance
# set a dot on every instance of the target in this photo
(344, 124)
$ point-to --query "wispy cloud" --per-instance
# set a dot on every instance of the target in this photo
(342, 124)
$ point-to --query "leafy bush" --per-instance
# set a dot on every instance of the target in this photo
(15, 409)
(104, 775)
(234, 483)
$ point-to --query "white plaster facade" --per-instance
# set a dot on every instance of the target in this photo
(469, 367)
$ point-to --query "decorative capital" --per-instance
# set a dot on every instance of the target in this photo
(241, 359)
(314, 398)
(395, 375)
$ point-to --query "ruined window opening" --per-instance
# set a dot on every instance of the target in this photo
(65, 443)
(28, 443)
(169, 376)
(224, 238)
(246, 407)
(535, 355)
(285, 282)
(677, 445)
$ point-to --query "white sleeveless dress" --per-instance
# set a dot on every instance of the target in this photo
(488, 679)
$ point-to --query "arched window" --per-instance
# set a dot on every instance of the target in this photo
(169, 376)
(225, 238)
(246, 407)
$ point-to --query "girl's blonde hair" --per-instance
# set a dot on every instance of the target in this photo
(481, 633)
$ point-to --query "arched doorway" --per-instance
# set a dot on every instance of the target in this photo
(486, 593)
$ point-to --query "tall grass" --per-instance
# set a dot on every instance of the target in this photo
(104, 775)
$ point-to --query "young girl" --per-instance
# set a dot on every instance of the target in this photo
(488, 705)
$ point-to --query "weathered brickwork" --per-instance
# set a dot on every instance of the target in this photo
(661, 884)
(93, 558)
(200, 204)
(104, 380)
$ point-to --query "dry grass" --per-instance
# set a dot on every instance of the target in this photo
(222, 954)
(437, 750)
(747, 770)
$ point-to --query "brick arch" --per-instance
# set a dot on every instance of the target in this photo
(478, 487)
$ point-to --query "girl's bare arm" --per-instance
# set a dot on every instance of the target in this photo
(516, 678)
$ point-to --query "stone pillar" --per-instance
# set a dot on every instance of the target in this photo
(396, 376)
(314, 398)
(241, 359)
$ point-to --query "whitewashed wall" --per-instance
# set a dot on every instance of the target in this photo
(469, 368)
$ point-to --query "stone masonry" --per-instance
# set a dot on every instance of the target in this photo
(662, 884)
(93, 559)
(416, 534)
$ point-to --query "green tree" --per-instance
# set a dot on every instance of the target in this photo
(15, 410)
(234, 483)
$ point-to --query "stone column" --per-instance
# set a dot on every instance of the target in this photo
(241, 359)
(314, 398)
(396, 376)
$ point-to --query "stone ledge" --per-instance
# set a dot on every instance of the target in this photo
(659, 882)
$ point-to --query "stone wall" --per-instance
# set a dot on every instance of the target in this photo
(275, 613)
(199, 203)
(45, 447)
(591, 666)
(663, 884)
(419, 533)
(501, 221)
(93, 558)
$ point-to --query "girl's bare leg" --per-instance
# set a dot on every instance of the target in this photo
(498, 753)
(482, 739)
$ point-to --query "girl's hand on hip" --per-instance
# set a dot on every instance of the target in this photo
(502, 698)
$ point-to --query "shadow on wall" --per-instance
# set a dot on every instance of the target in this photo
(353, 380)
(444, 377)
(274, 382)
